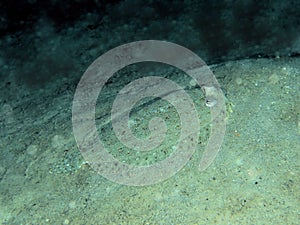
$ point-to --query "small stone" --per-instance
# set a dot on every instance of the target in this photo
(238, 81)
(72, 204)
(193, 83)
(273, 79)
(31, 150)
(58, 141)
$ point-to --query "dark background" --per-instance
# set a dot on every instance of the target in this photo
(217, 31)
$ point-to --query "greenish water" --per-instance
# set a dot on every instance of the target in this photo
(254, 179)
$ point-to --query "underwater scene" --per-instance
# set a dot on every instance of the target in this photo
(156, 112)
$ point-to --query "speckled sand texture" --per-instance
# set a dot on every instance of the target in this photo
(254, 179)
